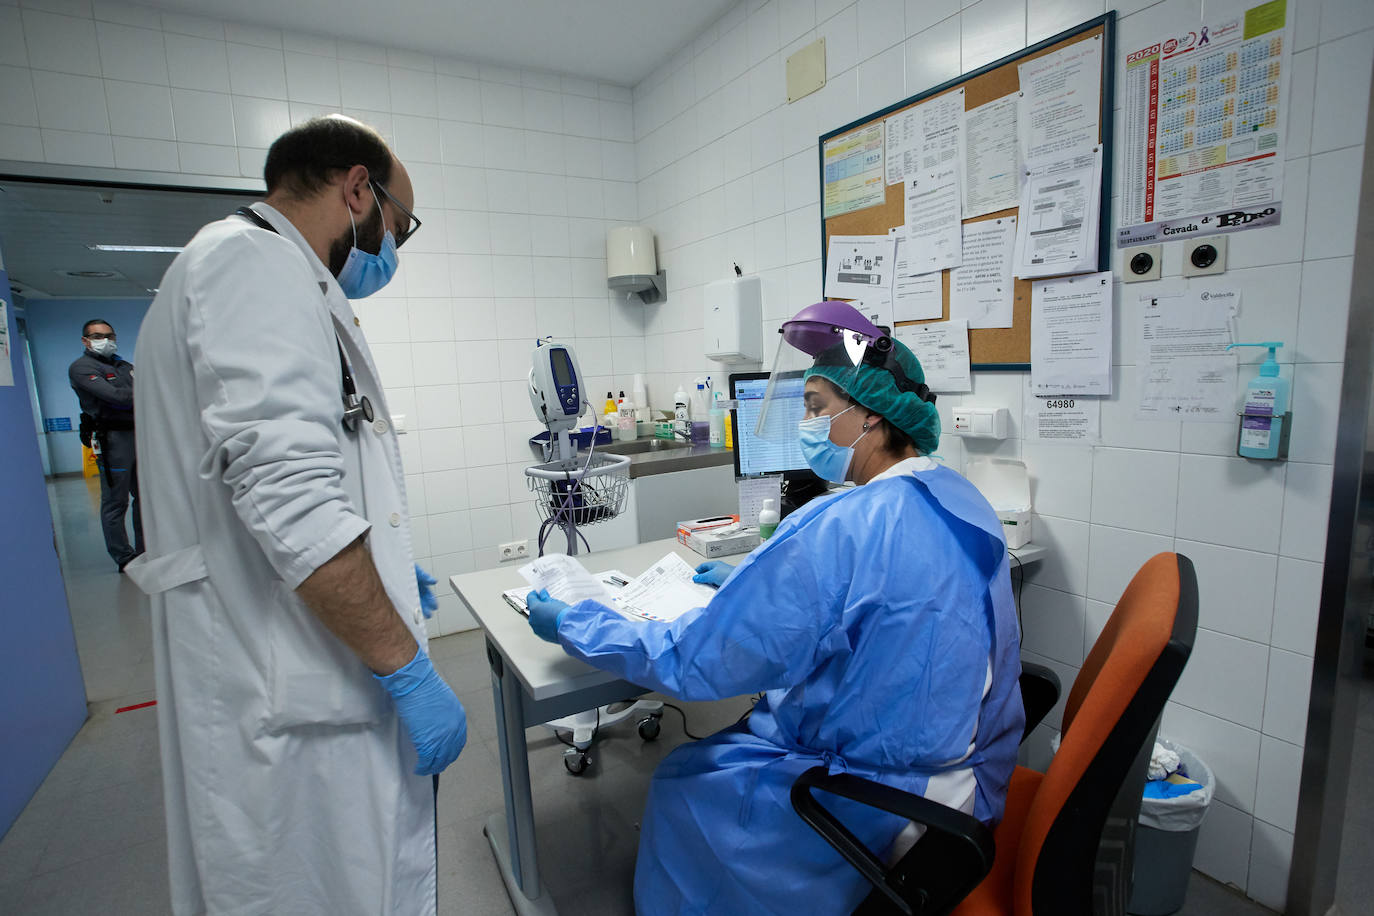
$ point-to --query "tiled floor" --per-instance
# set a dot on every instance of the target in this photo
(92, 839)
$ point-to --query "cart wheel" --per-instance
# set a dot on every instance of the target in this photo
(576, 761)
(649, 728)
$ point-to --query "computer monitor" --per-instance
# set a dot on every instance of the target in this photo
(755, 455)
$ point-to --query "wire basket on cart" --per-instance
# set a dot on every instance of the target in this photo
(577, 493)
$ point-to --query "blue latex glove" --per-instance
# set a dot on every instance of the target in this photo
(432, 715)
(428, 603)
(545, 614)
(713, 573)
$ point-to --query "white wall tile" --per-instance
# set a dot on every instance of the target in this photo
(882, 23)
(1314, 412)
(62, 43)
(74, 148)
(1115, 556)
(436, 407)
(1061, 479)
(1225, 676)
(197, 26)
(1121, 429)
(146, 155)
(841, 34)
(1223, 847)
(302, 43)
(21, 143)
(1235, 588)
(882, 79)
(258, 122)
(1066, 566)
(1306, 505)
(449, 531)
(1053, 623)
(1331, 233)
(617, 121)
(441, 450)
(922, 14)
(1297, 595)
(364, 86)
(1322, 316)
(581, 116)
(69, 102)
(1271, 853)
(991, 29)
(1302, 89)
(1135, 489)
(413, 92)
(257, 71)
(1045, 18)
(197, 63)
(253, 35)
(314, 79)
(1230, 750)
(17, 105)
(131, 54)
(1276, 795)
(203, 117)
(1338, 116)
(417, 139)
(1285, 698)
(1230, 501)
(140, 110)
(488, 486)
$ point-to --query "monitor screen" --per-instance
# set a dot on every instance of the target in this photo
(756, 455)
(562, 367)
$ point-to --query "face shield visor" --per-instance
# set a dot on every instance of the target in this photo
(827, 333)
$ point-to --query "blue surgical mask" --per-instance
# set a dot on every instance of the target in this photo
(830, 461)
(363, 274)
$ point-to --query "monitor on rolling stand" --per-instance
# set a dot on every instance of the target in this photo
(755, 456)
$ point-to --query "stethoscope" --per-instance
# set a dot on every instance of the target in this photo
(354, 406)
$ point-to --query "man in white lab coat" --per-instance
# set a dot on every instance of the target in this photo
(299, 716)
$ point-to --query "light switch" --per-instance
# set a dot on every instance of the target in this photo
(982, 424)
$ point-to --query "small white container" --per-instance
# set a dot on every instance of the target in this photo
(1005, 484)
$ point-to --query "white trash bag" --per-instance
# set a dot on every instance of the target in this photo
(1182, 812)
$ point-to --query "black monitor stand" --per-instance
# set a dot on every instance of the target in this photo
(799, 488)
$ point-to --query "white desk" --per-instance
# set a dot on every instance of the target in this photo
(535, 681)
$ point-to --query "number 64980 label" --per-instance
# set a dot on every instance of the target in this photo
(1062, 403)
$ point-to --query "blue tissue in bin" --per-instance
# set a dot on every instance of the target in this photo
(582, 437)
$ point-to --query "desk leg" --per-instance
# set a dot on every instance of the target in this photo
(512, 837)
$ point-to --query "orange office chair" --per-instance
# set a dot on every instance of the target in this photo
(1064, 845)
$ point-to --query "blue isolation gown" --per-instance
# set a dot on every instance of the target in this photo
(880, 622)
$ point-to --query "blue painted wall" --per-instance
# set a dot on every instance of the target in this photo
(55, 336)
(42, 696)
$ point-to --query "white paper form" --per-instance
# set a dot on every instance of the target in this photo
(878, 311)
(565, 579)
(992, 161)
(664, 592)
(854, 171)
(1185, 371)
(1060, 97)
(915, 297)
(932, 220)
(613, 579)
(1060, 206)
(942, 348)
(926, 136)
(980, 289)
(859, 267)
(1063, 421)
(1071, 335)
(752, 492)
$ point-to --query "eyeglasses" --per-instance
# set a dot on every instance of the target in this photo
(97, 335)
(414, 223)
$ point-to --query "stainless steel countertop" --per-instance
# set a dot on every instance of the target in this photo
(665, 456)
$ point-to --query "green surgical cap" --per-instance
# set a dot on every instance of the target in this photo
(877, 390)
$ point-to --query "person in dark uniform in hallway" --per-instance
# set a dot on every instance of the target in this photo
(104, 385)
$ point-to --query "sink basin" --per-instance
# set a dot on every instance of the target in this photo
(643, 446)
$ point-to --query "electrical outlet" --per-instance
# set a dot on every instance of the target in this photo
(1141, 263)
(514, 550)
(1204, 257)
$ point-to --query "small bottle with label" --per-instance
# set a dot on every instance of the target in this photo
(1266, 404)
(681, 420)
(626, 420)
(768, 518)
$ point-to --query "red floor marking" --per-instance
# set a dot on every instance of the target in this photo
(136, 706)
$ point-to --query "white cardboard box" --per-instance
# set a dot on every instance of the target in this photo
(1006, 485)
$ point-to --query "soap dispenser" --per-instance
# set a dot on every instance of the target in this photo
(1265, 420)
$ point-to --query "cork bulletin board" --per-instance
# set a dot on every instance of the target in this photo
(989, 348)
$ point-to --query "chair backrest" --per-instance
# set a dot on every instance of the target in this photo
(1110, 713)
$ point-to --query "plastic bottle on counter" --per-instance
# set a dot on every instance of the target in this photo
(681, 420)
(626, 422)
(610, 415)
(768, 518)
(717, 423)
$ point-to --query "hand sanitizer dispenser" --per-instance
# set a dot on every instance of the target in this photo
(1265, 420)
(732, 328)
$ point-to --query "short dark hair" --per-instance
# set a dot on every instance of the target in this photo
(86, 328)
(305, 158)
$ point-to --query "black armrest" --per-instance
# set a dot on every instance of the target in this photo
(953, 855)
(1039, 693)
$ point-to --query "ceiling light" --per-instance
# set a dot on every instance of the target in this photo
(156, 249)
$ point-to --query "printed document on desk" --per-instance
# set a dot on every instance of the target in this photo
(663, 592)
(613, 580)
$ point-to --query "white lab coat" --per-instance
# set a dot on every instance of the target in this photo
(288, 776)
